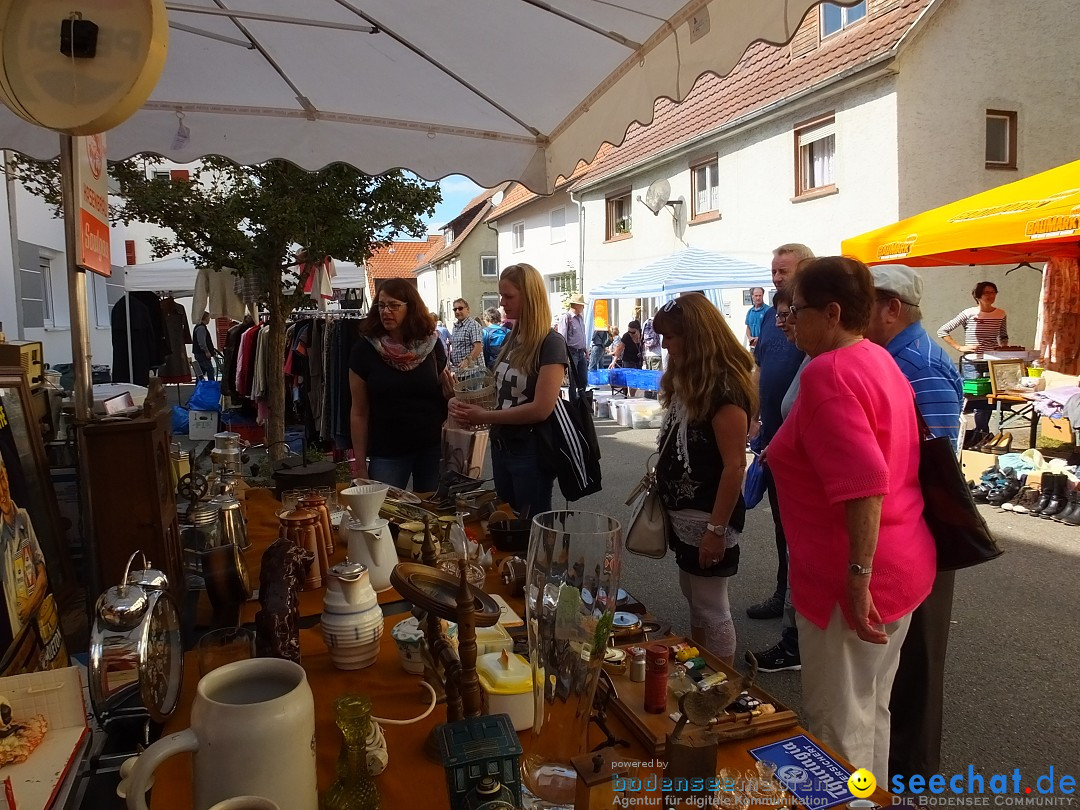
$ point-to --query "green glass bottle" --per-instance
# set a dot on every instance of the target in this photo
(354, 788)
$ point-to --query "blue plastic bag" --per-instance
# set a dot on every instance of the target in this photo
(207, 396)
(754, 483)
(179, 420)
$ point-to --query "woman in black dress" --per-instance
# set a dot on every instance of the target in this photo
(629, 350)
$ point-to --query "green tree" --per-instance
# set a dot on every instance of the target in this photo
(256, 220)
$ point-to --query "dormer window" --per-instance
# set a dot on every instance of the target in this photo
(836, 18)
(448, 236)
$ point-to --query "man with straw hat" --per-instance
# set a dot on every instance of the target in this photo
(571, 326)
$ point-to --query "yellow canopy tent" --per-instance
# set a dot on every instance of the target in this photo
(1030, 220)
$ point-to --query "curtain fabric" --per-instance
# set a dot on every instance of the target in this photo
(1059, 320)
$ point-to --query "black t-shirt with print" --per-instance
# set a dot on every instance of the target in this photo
(406, 409)
(631, 352)
(513, 387)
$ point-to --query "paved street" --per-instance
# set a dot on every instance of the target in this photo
(1012, 694)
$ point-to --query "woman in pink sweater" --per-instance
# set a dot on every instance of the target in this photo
(846, 466)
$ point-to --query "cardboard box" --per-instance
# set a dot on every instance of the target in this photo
(975, 463)
(1058, 431)
(202, 425)
(57, 694)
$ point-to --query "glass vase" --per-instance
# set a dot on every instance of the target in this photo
(354, 788)
(571, 586)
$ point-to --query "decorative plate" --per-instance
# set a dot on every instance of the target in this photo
(436, 591)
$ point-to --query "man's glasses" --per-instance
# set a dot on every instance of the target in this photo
(391, 307)
(459, 309)
(793, 312)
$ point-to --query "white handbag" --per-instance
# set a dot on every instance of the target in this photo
(649, 527)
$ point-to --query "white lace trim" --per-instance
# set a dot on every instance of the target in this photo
(689, 526)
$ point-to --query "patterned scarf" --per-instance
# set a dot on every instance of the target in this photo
(402, 356)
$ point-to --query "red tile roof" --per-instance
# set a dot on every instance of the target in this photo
(519, 196)
(766, 74)
(471, 216)
(400, 259)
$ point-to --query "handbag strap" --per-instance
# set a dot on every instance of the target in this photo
(924, 429)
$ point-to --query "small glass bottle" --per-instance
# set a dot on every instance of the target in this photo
(354, 789)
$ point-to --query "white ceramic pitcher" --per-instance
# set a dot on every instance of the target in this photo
(252, 733)
(373, 545)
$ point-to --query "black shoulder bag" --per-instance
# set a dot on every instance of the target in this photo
(569, 446)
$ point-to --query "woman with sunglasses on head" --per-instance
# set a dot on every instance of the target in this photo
(710, 394)
(628, 351)
(846, 464)
(399, 382)
(528, 377)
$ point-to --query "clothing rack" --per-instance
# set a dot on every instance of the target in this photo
(345, 314)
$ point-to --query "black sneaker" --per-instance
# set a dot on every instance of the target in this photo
(777, 659)
(771, 608)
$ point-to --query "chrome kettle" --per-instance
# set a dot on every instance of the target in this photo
(232, 526)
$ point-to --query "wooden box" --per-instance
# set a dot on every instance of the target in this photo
(652, 729)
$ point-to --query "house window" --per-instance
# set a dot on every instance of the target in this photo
(1000, 139)
(706, 188)
(448, 236)
(160, 175)
(489, 266)
(836, 18)
(618, 215)
(519, 235)
(489, 300)
(562, 283)
(815, 148)
(558, 225)
(37, 294)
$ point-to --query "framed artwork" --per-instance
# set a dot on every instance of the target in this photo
(1005, 376)
(34, 561)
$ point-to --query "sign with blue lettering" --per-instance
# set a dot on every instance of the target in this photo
(817, 780)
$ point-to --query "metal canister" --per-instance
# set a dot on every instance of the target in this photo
(656, 678)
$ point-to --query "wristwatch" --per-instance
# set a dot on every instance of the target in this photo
(719, 530)
(860, 570)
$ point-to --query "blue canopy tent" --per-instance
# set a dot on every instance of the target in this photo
(685, 271)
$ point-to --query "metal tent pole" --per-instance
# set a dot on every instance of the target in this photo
(77, 306)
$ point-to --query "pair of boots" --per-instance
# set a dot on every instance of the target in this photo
(1056, 500)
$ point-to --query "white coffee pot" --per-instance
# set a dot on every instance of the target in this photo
(373, 546)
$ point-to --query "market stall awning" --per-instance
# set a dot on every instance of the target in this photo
(684, 271)
(1029, 220)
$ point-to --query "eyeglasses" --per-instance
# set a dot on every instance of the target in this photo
(793, 311)
(394, 306)
(459, 309)
(782, 316)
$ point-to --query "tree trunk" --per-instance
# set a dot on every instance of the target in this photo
(275, 424)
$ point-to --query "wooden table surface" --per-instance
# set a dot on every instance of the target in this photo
(410, 779)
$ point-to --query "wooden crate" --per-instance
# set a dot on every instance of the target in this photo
(652, 729)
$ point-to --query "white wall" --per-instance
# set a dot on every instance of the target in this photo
(975, 55)
(549, 257)
(427, 286)
(756, 182)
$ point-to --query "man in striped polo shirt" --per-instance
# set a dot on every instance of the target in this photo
(918, 690)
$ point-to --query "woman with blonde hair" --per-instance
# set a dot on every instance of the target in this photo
(528, 376)
(709, 393)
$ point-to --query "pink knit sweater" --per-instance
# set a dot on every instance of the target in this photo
(852, 433)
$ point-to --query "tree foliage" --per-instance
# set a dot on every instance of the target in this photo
(257, 219)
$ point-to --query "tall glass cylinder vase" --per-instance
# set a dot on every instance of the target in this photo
(571, 586)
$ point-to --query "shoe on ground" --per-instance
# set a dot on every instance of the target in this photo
(777, 659)
(771, 608)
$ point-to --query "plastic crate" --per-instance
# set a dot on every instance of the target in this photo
(643, 378)
(599, 377)
(978, 387)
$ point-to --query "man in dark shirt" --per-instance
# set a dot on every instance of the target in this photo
(777, 362)
(202, 346)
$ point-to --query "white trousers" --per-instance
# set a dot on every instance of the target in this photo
(846, 686)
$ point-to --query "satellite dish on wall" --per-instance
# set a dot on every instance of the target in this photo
(497, 198)
(658, 195)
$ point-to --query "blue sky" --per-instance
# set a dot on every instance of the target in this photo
(457, 190)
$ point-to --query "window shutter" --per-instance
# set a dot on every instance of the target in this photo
(129, 250)
(811, 134)
(179, 175)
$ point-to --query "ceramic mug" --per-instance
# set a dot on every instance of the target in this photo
(246, 803)
(252, 733)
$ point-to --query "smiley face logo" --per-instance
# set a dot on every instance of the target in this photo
(862, 783)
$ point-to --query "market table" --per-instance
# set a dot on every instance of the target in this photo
(410, 779)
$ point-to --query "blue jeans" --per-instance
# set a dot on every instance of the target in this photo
(520, 478)
(422, 466)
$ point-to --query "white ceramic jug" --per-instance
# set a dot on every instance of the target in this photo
(373, 545)
(252, 733)
(352, 621)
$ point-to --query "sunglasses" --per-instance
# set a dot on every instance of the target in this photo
(459, 309)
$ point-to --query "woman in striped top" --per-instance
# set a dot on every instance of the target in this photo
(984, 330)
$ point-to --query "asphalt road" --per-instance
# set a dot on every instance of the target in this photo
(1012, 693)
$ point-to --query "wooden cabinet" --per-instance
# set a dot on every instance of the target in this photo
(132, 498)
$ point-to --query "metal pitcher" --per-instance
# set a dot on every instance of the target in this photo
(232, 527)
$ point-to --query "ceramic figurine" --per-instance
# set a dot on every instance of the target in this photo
(277, 624)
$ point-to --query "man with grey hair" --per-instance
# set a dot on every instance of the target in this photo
(777, 362)
(918, 693)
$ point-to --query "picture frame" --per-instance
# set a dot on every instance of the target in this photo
(1005, 376)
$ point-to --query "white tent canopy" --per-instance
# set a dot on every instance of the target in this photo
(685, 271)
(493, 90)
(177, 275)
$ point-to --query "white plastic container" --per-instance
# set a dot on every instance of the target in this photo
(641, 416)
(507, 680)
(493, 639)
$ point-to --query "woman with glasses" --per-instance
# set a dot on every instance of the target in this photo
(709, 393)
(399, 381)
(846, 463)
(628, 351)
(528, 377)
